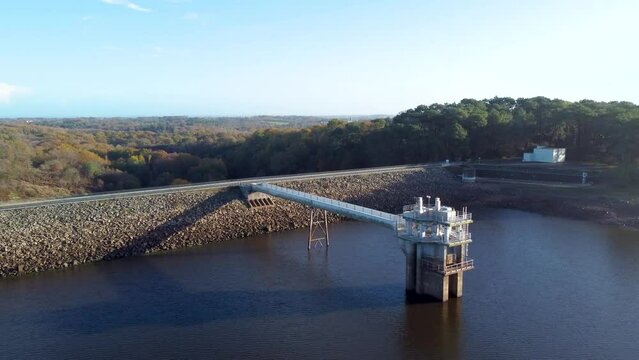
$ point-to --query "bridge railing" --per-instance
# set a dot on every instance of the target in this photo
(400, 225)
(320, 199)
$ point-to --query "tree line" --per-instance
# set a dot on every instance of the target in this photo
(50, 158)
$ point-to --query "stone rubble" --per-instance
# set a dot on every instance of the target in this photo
(60, 236)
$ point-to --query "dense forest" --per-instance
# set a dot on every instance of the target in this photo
(44, 158)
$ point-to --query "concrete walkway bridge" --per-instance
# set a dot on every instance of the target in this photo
(355, 212)
(434, 238)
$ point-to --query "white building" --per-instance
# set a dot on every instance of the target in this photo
(546, 155)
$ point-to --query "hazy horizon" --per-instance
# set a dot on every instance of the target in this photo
(333, 116)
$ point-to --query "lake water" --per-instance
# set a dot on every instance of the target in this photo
(543, 287)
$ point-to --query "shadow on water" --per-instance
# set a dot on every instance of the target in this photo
(155, 237)
(150, 297)
(157, 300)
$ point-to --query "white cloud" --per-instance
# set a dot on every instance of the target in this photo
(127, 4)
(7, 91)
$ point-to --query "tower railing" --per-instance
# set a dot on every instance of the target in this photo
(453, 238)
(432, 215)
(448, 269)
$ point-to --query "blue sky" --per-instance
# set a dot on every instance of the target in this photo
(323, 57)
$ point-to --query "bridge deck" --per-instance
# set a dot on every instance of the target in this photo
(338, 207)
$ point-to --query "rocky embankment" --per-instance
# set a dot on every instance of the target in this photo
(60, 236)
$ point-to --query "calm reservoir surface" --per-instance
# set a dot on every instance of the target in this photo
(543, 287)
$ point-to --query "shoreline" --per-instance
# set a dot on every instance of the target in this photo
(589, 203)
(60, 236)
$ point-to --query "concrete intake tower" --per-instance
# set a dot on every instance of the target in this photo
(435, 241)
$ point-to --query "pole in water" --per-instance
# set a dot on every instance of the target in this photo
(317, 225)
(328, 243)
(310, 231)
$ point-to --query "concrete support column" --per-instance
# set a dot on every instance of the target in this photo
(419, 289)
(411, 268)
(456, 284)
(434, 284)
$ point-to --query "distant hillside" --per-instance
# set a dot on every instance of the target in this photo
(182, 122)
(51, 157)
